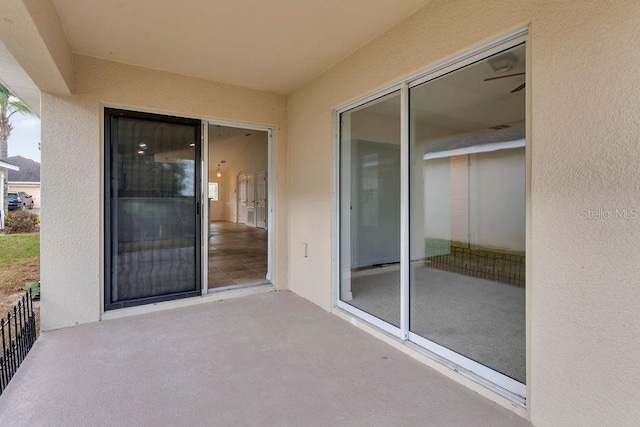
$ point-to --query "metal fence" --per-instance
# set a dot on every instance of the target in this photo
(483, 264)
(18, 332)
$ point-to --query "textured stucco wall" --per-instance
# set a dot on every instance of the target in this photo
(584, 116)
(72, 170)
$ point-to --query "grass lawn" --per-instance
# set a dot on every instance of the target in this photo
(19, 267)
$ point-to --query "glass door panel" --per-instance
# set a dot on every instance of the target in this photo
(154, 211)
(467, 212)
(370, 208)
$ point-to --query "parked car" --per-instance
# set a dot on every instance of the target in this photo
(19, 200)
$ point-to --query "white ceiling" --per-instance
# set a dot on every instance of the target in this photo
(462, 101)
(272, 45)
(227, 143)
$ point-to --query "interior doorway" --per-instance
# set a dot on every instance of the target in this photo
(238, 166)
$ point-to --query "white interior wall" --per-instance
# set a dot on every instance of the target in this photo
(476, 200)
(434, 214)
(254, 157)
(459, 199)
(498, 199)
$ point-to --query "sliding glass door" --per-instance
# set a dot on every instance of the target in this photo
(369, 200)
(152, 222)
(468, 213)
(440, 259)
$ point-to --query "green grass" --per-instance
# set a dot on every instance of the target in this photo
(15, 248)
(19, 267)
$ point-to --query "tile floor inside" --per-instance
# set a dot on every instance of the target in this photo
(237, 255)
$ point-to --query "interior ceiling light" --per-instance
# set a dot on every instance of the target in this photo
(192, 145)
(140, 151)
(143, 145)
(503, 63)
(219, 172)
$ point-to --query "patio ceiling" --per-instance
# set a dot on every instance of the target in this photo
(275, 45)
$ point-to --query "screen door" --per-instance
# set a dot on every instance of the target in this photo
(152, 208)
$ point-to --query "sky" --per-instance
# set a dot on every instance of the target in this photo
(25, 137)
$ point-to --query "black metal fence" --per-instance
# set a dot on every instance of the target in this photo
(18, 332)
(483, 264)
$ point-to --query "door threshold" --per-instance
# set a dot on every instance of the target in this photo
(213, 291)
(218, 295)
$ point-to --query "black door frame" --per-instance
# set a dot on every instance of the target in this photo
(111, 116)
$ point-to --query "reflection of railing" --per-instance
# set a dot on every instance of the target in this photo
(482, 263)
(145, 219)
(18, 335)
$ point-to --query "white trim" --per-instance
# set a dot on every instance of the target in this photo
(271, 197)
(223, 289)
(186, 302)
(204, 208)
(221, 122)
(370, 319)
(404, 213)
(335, 235)
(474, 55)
(271, 192)
(518, 389)
(25, 183)
(240, 125)
(475, 149)
(8, 166)
(368, 98)
(529, 228)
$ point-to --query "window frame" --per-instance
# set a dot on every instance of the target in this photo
(216, 185)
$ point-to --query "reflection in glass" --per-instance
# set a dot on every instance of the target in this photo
(153, 242)
(467, 212)
(370, 208)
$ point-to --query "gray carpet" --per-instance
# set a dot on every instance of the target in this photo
(480, 319)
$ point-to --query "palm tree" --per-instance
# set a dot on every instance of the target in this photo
(9, 105)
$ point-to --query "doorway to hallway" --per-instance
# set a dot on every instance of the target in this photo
(238, 207)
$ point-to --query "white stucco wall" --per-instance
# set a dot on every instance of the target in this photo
(71, 269)
(583, 115)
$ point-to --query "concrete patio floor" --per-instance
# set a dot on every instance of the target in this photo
(266, 359)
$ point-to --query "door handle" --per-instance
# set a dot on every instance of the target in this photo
(197, 208)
